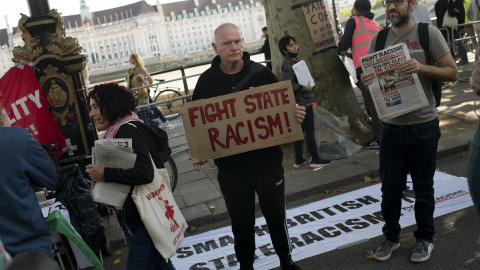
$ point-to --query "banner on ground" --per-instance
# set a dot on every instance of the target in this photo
(243, 121)
(319, 227)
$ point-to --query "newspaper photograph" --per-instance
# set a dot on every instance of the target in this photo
(112, 153)
(393, 92)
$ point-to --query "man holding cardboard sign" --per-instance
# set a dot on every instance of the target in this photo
(242, 174)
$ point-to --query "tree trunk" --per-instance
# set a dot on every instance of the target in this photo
(333, 89)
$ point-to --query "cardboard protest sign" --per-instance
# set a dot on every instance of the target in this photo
(319, 22)
(235, 123)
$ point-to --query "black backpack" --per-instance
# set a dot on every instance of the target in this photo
(158, 137)
(424, 39)
(162, 143)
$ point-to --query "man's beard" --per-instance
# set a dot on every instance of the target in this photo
(401, 20)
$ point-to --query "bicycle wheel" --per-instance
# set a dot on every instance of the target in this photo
(173, 107)
(172, 172)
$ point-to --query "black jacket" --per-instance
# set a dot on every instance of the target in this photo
(142, 173)
(212, 83)
(266, 49)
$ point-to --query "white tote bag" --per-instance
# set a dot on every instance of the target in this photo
(449, 21)
(159, 212)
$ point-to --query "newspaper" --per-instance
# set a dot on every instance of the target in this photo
(393, 92)
(112, 153)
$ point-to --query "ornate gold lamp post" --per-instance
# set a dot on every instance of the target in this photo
(59, 70)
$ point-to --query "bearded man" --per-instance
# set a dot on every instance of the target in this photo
(409, 142)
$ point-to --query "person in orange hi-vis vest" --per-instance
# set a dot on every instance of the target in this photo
(359, 29)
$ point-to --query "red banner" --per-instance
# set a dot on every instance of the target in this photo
(25, 106)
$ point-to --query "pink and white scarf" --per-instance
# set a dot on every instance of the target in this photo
(113, 129)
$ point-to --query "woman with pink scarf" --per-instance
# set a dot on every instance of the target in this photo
(113, 107)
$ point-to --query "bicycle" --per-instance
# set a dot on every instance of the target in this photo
(172, 172)
(171, 98)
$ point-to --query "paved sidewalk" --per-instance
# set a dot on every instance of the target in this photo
(197, 191)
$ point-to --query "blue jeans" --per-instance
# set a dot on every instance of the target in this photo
(148, 114)
(156, 113)
(462, 51)
(460, 47)
(145, 115)
(473, 170)
(408, 149)
(142, 254)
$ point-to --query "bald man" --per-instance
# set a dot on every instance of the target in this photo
(258, 171)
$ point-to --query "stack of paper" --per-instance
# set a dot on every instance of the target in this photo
(112, 153)
(303, 74)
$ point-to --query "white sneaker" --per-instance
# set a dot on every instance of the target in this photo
(319, 163)
(299, 163)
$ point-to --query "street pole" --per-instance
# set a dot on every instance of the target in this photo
(38, 8)
(337, 25)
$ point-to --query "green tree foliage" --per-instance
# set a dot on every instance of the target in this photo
(378, 4)
(345, 12)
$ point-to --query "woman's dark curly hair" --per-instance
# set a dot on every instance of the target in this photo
(115, 101)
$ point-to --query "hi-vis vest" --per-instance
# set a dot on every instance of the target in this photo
(364, 30)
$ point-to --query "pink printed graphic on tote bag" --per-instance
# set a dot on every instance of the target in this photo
(168, 208)
(169, 215)
(156, 193)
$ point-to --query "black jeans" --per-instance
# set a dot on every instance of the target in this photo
(408, 149)
(473, 170)
(308, 127)
(238, 189)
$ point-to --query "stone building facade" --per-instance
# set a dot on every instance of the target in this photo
(108, 37)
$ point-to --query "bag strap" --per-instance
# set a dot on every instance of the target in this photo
(381, 39)
(254, 69)
(424, 39)
(149, 150)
